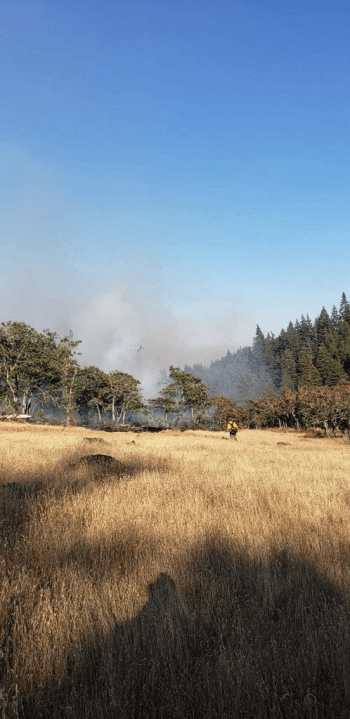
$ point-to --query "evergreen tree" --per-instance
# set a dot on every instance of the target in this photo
(307, 334)
(344, 309)
(329, 367)
(293, 339)
(272, 356)
(344, 348)
(289, 370)
(310, 376)
(323, 328)
(248, 387)
(258, 355)
(335, 318)
(270, 347)
(259, 365)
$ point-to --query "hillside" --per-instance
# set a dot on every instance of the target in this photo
(305, 353)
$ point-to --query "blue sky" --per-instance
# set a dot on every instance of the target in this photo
(174, 171)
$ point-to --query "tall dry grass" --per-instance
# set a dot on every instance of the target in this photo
(210, 579)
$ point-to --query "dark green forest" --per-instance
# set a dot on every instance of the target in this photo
(305, 354)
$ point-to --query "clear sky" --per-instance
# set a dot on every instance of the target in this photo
(172, 172)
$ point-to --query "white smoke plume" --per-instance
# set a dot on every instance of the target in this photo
(113, 325)
(114, 295)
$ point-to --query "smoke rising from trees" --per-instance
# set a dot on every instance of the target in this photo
(114, 323)
(114, 296)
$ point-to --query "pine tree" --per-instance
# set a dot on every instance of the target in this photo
(310, 375)
(344, 347)
(308, 333)
(344, 309)
(323, 328)
(293, 339)
(335, 318)
(247, 387)
(289, 370)
(262, 364)
(329, 367)
(258, 354)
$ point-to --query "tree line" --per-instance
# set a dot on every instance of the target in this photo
(306, 353)
(323, 407)
(299, 379)
(39, 372)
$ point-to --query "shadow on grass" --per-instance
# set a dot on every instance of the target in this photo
(232, 638)
(22, 492)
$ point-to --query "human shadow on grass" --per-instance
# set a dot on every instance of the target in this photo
(234, 637)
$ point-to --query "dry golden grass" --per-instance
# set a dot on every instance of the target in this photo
(210, 579)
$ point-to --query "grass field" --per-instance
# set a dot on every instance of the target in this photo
(207, 578)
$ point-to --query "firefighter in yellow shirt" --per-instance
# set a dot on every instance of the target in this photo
(232, 429)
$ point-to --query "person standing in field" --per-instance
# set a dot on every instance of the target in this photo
(232, 429)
